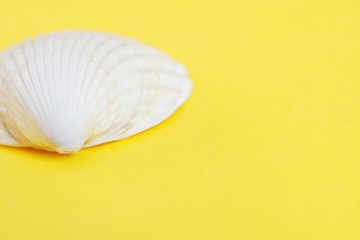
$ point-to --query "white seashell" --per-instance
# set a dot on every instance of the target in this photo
(75, 89)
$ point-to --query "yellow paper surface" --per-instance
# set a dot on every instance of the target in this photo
(267, 147)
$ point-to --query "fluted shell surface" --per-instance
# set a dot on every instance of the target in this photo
(74, 89)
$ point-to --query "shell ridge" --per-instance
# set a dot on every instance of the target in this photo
(39, 63)
(108, 77)
(153, 117)
(129, 121)
(32, 80)
(61, 69)
(33, 102)
(48, 52)
(68, 76)
(73, 68)
(23, 82)
(81, 75)
(123, 123)
(5, 124)
(25, 95)
(86, 79)
(58, 44)
(76, 80)
(133, 58)
(6, 95)
(146, 68)
(91, 75)
(107, 73)
(5, 136)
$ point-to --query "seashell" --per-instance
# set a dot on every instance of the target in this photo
(75, 89)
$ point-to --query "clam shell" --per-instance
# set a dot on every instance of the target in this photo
(74, 89)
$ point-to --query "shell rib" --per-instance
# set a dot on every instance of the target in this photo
(75, 89)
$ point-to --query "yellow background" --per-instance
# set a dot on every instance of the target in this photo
(267, 147)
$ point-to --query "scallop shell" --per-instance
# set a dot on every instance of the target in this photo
(75, 89)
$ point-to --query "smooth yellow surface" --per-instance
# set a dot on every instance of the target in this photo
(267, 147)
